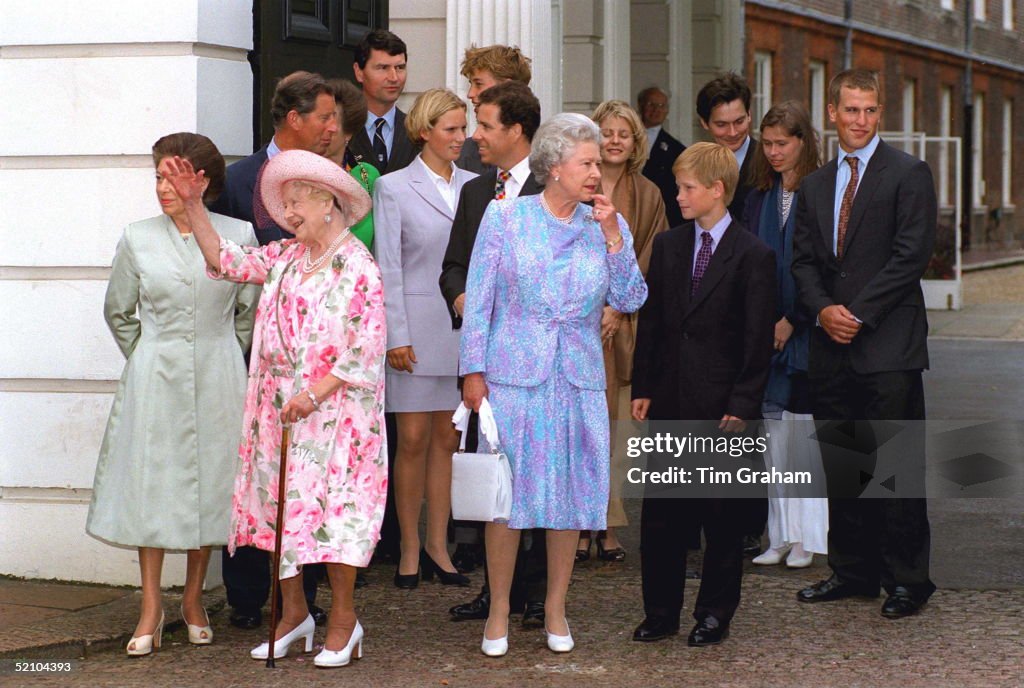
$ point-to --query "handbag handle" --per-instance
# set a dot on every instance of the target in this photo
(488, 426)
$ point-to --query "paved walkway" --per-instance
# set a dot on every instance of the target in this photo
(965, 636)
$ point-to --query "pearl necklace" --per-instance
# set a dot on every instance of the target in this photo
(564, 220)
(310, 266)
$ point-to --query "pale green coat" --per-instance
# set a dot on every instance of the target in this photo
(167, 465)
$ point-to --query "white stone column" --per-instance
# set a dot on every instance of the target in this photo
(532, 25)
(88, 87)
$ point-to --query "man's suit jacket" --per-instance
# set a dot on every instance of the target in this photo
(658, 169)
(411, 227)
(236, 200)
(400, 155)
(743, 187)
(889, 240)
(476, 196)
(701, 358)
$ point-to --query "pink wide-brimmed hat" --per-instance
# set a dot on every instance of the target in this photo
(316, 171)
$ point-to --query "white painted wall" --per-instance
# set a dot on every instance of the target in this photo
(75, 168)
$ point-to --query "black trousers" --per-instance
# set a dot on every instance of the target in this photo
(874, 542)
(247, 579)
(667, 526)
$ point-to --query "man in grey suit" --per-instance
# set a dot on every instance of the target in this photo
(380, 68)
(865, 228)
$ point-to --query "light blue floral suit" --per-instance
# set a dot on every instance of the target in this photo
(532, 324)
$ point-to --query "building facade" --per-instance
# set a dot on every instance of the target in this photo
(949, 68)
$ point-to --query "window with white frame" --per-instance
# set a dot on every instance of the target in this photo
(1008, 15)
(947, 4)
(945, 130)
(1007, 153)
(816, 97)
(980, 10)
(762, 96)
(977, 147)
(909, 99)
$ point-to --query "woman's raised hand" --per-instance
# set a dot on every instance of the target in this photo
(187, 183)
(605, 214)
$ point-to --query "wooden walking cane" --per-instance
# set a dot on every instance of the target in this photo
(275, 607)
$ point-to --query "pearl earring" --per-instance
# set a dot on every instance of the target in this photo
(327, 218)
(557, 178)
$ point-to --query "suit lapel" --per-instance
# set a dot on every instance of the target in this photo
(684, 258)
(401, 146)
(362, 148)
(530, 186)
(716, 269)
(873, 177)
(423, 185)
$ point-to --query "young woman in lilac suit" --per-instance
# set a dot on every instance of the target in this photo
(543, 269)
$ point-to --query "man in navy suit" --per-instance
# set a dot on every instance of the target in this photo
(704, 344)
(303, 112)
(381, 69)
(299, 110)
(865, 229)
(664, 149)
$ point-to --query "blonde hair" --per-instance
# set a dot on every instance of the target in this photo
(622, 109)
(504, 62)
(710, 163)
(429, 107)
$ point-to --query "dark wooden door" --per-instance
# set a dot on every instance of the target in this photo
(314, 35)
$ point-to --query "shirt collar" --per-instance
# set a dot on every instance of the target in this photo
(435, 177)
(272, 148)
(389, 119)
(718, 231)
(521, 171)
(864, 154)
(741, 152)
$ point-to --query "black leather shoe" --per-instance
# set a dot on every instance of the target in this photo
(708, 632)
(318, 614)
(479, 608)
(431, 568)
(692, 574)
(751, 545)
(361, 581)
(655, 628)
(901, 603)
(834, 589)
(245, 619)
(466, 558)
(533, 615)
(407, 582)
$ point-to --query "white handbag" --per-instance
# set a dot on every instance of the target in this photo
(481, 482)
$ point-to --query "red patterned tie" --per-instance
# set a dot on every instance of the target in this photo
(846, 206)
(499, 186)
(703, 258)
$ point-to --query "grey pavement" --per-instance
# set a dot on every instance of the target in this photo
(970, 634)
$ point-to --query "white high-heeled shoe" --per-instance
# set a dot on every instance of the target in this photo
(142, 645)
(303, 630)
(771, 556)
(799, 558)
(497, 647)
(339, 658)
(196, 633)
(560, 643)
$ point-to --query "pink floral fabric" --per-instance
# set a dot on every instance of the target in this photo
(337, 464)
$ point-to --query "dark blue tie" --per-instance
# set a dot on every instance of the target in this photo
(380, 149)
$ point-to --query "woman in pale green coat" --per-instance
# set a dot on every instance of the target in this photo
(166, 469)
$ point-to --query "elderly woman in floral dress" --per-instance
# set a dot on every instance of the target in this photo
(318, 363)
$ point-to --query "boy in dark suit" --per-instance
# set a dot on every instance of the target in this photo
(703, 347)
